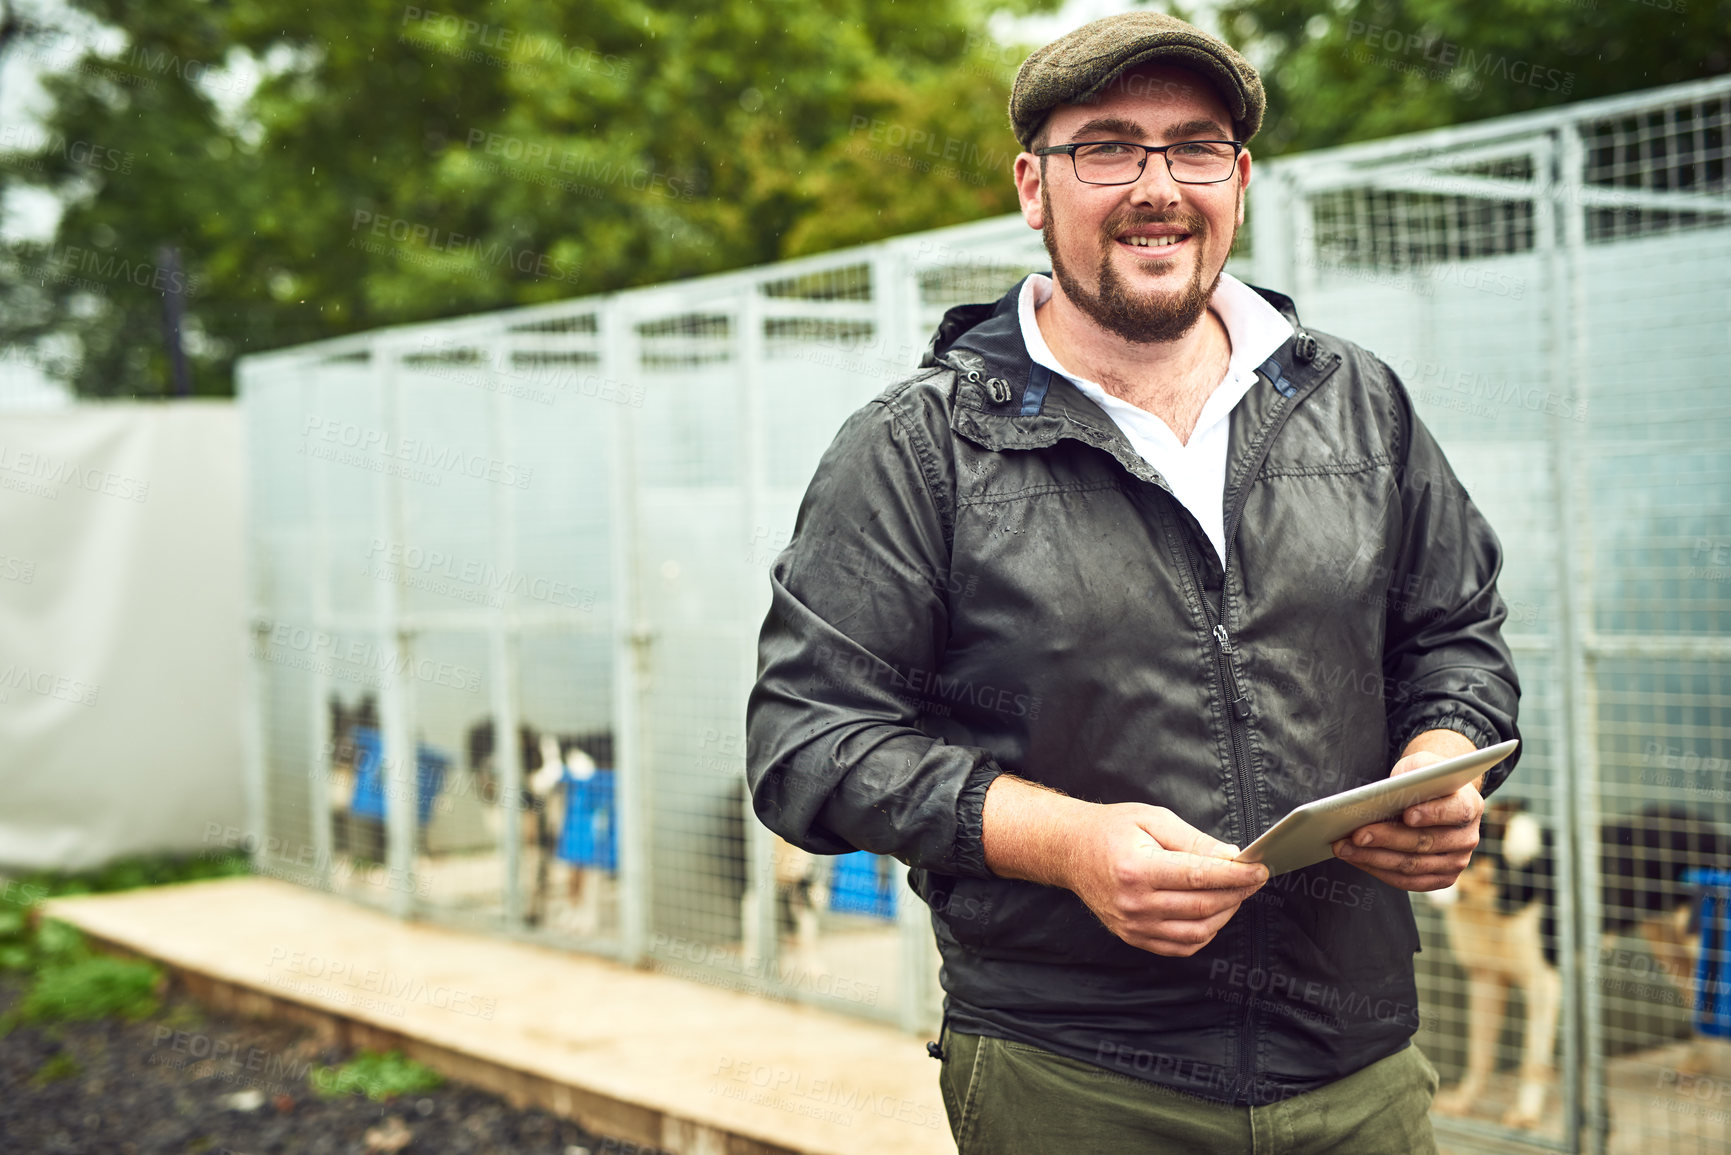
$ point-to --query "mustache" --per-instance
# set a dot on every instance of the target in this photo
(1191, 222)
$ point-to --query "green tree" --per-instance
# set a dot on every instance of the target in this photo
(399, 163)
(1345, 70)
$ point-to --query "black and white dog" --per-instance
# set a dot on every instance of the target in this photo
(1501, 917)
(351, 834)
(550, 763)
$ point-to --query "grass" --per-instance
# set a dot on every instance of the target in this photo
(89, 986)
(61, 1066)
(377, 1076)
(67, 980)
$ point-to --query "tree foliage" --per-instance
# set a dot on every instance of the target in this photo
(1345, 70)
(400, 163)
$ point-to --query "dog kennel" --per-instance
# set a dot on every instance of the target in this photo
(560, 518)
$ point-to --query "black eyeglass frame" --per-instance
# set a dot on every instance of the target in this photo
(1237, 151)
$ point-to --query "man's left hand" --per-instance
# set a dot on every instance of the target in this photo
(1432, 842)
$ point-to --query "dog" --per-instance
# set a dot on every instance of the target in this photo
(801, 893)
(351, 834)
(553, 766)
(1501, 919)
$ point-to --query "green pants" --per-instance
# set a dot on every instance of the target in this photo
(1008, 1098)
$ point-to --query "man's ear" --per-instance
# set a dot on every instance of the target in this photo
(1028, 189)
(1243, 183)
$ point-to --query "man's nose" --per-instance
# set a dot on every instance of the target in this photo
(1155, 187)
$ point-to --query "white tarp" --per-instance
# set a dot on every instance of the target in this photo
(122, 648)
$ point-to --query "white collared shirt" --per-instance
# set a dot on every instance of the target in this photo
(1196, 469)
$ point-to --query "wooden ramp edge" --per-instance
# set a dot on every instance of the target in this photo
(656, 1061)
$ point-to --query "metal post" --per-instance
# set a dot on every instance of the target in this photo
(257, 632)
(1579, 876)
(502, 638)
(319, 574)
(1271, 218)
(173, 316)
(396, 740)
(761, 943)
(894, 297)
(1301, 232)
(1556, 226)
(631, 638)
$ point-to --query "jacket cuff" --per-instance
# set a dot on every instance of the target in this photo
(969, 857)
(1469, 725)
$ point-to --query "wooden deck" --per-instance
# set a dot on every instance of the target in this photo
(665, 1062)
(630, 1054)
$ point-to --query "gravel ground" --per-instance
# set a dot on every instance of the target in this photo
(185, 1081)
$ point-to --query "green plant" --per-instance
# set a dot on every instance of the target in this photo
(377, 1076)
(24, 947)
(61, 1066)
(91, 986)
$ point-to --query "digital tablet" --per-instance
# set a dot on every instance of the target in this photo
(1309, 833)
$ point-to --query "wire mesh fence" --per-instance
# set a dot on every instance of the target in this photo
(508, 573)
(1554, 292)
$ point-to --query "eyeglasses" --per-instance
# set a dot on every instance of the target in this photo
(1122, 162)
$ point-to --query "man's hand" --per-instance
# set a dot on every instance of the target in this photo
(1155, 881)
(1433, 842)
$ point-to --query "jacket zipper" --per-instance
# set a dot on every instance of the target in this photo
(1238, 713)
(1240, 708)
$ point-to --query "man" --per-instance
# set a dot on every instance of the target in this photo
(1131, 568)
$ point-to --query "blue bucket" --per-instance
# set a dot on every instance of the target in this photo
(587, 839)
(431, 763)
(857, 885)
(1713, 972)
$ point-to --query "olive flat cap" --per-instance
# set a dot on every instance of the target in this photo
(1076, 67)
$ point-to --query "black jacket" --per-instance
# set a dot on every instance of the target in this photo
(985, 577)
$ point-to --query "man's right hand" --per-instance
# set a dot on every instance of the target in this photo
(1154, 880)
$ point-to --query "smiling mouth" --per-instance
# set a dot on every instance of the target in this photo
(1159, 242)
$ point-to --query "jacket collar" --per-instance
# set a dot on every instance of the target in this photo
(1005, 401)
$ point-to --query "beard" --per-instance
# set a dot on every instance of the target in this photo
(1142, 318)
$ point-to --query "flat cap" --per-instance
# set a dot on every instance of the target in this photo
(1078, 66)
